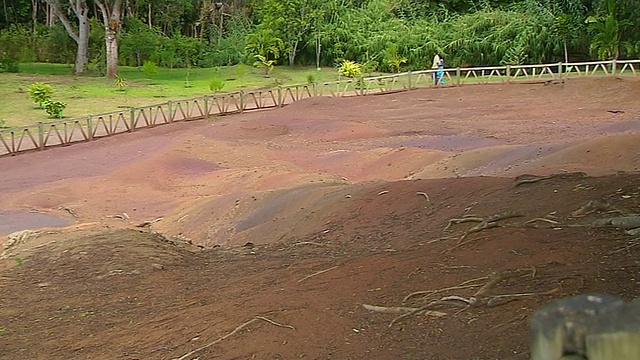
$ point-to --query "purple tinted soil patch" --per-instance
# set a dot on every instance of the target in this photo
(80, 160)
(277, 204)
(193, 166)
(11, 221)
(451, 142)
(631, 126)
(517, 156)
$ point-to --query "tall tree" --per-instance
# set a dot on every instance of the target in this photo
(608, 32)
(80, 34)
(565, 28)
(290, 20)
(111, 11)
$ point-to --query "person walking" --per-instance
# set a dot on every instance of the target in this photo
(440, 73)
(437, 60)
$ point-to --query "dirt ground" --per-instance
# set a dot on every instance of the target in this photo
(263, 235)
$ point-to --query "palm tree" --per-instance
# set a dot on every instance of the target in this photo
(264, 46)
(608, 30)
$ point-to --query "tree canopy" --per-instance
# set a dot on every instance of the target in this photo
(380, 34)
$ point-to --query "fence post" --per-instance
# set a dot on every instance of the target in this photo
(560, 70)
(90, 127)
(40, 135)
(280, 96)
(508, 73)
(361, 82)
(614, 66)
(241, 101)
(409, 77)
(458, 76)
(170, 107)
(206, 107)
(132, 119)
(315, 89)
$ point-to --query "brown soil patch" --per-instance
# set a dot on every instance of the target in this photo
(178, 235)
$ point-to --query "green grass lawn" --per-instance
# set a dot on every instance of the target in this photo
(92, 94)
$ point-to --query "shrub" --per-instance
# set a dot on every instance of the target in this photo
(150, 68)
(9, 64)
(187, 81)
(350, 69)
(40, 93)
(54, 108)
(262, 62)
(139, 42)
(311, 79)
(120, 82)
(216, 84)
(393, 59)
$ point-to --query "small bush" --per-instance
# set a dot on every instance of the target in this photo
(262, 62)
(393, 59)
(187, 79)
(3, 123)
(216, 84)
(55, 108)
(120, 82)
(150, 68)
(311, 79)
(9, 64)
(350, 69)
(40, 93)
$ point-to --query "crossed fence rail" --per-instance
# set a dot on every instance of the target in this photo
(66, 132)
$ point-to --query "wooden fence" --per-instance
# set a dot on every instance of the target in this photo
(65, 132)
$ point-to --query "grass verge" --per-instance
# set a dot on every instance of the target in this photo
(92, 94)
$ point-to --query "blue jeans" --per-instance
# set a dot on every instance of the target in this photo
(439, 76)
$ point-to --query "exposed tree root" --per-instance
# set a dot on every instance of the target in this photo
(317, 273)
(401, 310)
(464, 219)
(498, 277)
(422, 193)
(481, 297)
(464, 285)
(242, 326)
(483, 223)
(69, 210)
(149, 222)
(594, 206)
(431, 307)
(530, 179)
(532, 222)
(621, 222)
(630, 244)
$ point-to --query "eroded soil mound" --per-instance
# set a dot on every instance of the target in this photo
(125, 294)
(451, 213)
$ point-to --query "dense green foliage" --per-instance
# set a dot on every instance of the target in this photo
(385, 35)
(350, 69)
(54, 108)
(40, 93)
